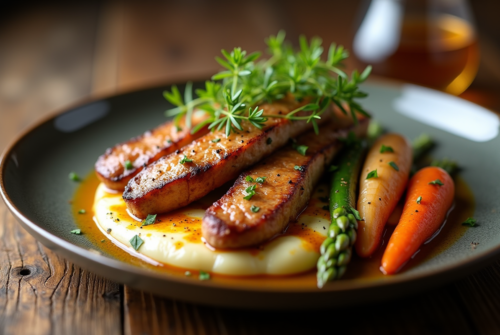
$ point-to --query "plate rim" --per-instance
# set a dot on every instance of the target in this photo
(461, 268)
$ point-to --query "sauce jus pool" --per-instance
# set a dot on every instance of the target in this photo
(359, 269)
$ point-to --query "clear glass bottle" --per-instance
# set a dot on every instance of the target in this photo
(428, 42)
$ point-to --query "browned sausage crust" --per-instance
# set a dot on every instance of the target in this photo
(234, 222)
(190, 173)
(143, 150)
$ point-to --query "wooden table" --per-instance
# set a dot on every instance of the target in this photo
(52, 55)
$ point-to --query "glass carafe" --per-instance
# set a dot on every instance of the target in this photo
(428, 42)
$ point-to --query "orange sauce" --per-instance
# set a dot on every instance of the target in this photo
(358, 269)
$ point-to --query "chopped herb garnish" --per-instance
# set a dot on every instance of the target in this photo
(102, 241)
(82, 211)
(333, 168)
(204, 275)
(185, 160)
(73, 176)
(419, 199)
(470, 222)
(108, 230)
(372, 174)
(254, 209)
(150, 219)
(356, 214)
(384, 148)
(436, 182)
(128, 165)
(216, 140)
(136, 242)
(187, 273)
(76, 231)
(178, 128)
(250, 191)
(299, 168)
(394, 166)
(169, 141)
(301, 149)
(260, 180)
(250, 179)
(269, 141)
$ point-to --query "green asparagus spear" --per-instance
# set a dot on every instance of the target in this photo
(336, 250)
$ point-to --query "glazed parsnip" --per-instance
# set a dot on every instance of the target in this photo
(235, 221)
(122, 162)
(379, 193)
(190, 173)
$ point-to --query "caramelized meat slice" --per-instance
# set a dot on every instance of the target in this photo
(112, 167)
(235, 221)
(190, 173)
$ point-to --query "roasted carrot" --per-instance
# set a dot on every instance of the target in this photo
(429, 197)
(383, 180)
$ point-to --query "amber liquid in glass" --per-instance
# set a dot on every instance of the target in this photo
(441, 54)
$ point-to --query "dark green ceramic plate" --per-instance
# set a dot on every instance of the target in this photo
(35, 186)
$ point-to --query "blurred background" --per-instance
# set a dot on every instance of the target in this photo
(54, 54)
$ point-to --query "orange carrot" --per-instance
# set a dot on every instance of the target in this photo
(429, 197)
(379, 193)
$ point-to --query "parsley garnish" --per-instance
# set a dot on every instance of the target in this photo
(394, 166)
(260, 180)
(372, 174)
(355, 213)
(185, 160)
(136, 242)
(470, 222)
(128, 165)
(254, 209)
(76, 231)
(250, 179)
(436, 182)
(204, 275)
(419, 199)
(301, 149)
(269, 141)
(333, 168)
(384, 148)
(299, 168)
(247, 83)
(82, 211)
(250, 191)
(73, 176)
(150, 219)
(216, 140)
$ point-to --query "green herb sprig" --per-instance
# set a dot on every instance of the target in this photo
(235, 94)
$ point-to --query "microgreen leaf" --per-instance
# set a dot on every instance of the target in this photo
(394, 165)
(185, 160)
(384, 148)
(301, 149)
(150, 219)
(372, 174)
(470, 222)
(82, 211)
(355, 213)
(419, 199)
(254, 209)
(250, 192)
(250, 179)
(299, 168)
(436, 182)
(128, 165)
(73, 176)
(204, 275)
(76, 231)
(216, 140)
(260, 180)
(136, 242)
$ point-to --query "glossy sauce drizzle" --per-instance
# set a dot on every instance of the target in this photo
(359, 269)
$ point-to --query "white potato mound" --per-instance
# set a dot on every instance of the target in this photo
(177, 241)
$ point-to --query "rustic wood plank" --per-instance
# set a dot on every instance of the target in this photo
(46, 63)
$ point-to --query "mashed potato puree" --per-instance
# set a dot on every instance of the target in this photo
(175, 239)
